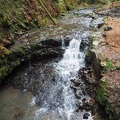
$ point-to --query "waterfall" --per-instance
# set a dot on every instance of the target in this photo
(73, 59)
(61, 99)
(68, 69)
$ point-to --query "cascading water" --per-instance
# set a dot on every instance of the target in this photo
(61, 99)
(67, 68)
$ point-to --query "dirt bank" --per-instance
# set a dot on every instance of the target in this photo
(108, 54)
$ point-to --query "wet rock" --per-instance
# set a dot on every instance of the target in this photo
(19, 115)
(90, 101)
(76, 82)
(86, 70)
(86, 115)
(93, 16)
(96, 23)
(100, 25)
(87, 104)
(74, 87)
(78, 93)
(84, 43)
(108, 28)
(104, 35)
(92, 81)
(87, 74)
(96, 117)
(84, 106)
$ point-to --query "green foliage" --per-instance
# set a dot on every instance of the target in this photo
(6, 51)
(3, 19)
(3, 71)
(103, 98)
(61, 6)
(6, 69)
(103, 1)
(107, 66)
(110, 110)
(43, 22)
(16, 63)
(1, 33)
(102, 93)
(3, 51)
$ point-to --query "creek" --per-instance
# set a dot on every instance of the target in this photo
(56, 84)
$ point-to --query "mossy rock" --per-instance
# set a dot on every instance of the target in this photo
(103, 94)
(92, 59)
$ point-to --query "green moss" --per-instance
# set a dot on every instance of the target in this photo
(6, 51)
(102, 93)
(3, 71)
(1, 33)
(61, 6)
(20, 51)
(107, 65)
(110, 110)
(89, 56)
(3, 61)
(16, 63)
(103, 1)
(6, 69)
(3, 52)
(103, 96)
(42, 22)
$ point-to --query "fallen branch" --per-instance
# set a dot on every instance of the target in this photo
(40, 2)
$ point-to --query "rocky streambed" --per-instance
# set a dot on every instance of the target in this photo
(59, 68)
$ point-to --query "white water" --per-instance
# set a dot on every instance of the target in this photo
(61, 100)
(68, 68)
(72, 60)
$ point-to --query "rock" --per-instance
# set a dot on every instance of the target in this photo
(95, 117)
(107, 28)
(87, 104)
(100, 25)
(86, 115)
(76, 82)
(90, 101)
(93, 16)
(74, 87)
(104, 35)
(83, 44)
(91, 81)
(78, 94)
(96, 43)
(18, 114)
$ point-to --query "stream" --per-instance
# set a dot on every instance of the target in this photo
(52, 81)
(61, 99)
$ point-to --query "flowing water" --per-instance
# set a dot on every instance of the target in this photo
(61, 99)
(57, 100)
